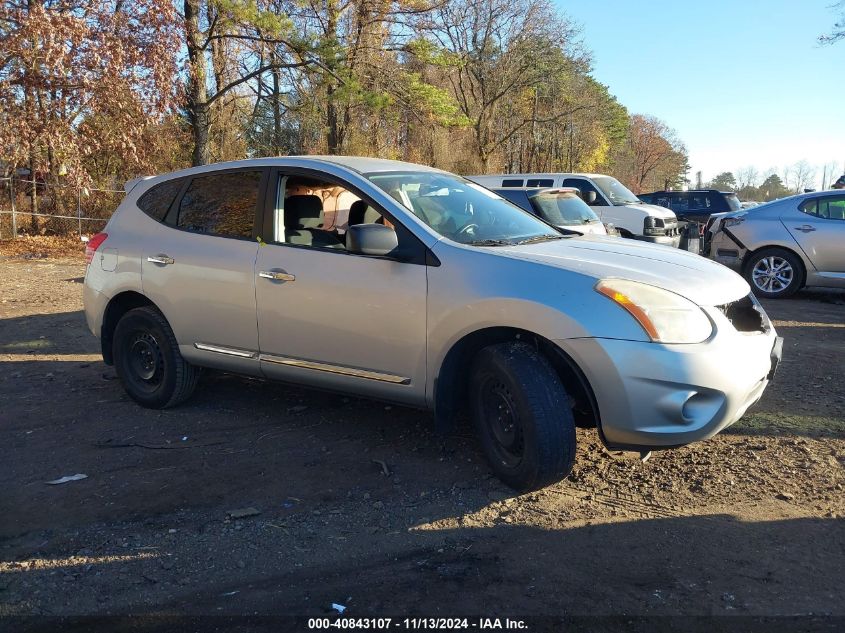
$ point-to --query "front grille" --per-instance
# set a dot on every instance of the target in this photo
(661, 227)
(746, 315)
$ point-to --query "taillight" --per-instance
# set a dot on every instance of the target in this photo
(93, 244)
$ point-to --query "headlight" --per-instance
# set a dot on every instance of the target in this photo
(665, 316)
(651, 226)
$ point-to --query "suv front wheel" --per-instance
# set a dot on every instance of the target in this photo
(522, 415)
(148, 362)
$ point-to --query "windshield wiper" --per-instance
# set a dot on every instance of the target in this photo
(545, 238)
(492, 243)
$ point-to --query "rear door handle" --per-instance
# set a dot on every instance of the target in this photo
(160, 259)
(806, 228)
(276, 275)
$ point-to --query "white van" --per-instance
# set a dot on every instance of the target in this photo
(612, 201)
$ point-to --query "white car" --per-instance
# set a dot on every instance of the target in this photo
(612, 201)
(561, 207)
(439, 294)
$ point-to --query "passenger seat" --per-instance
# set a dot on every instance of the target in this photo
(304, 222)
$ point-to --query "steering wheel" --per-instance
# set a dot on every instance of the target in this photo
(467, 229)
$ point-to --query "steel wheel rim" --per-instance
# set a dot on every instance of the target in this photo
(772, 274)
(145, 359)
(502, 420)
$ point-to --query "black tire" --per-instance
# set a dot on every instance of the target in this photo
(148, 362)
(774, 273)
(531, 444)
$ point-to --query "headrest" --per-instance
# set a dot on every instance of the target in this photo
(303, 212)
(356, 212)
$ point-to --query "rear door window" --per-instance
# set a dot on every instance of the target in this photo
(221, 204)
(540, 182)
(157, 200)
(830, 208)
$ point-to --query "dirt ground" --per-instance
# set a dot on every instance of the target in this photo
(361, 504)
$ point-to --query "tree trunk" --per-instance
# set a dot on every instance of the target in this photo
(197, 93)
(333, 133)
(277, 114)
(200, 124)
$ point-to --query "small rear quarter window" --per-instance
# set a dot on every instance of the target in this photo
(157, 200)
(512, 182)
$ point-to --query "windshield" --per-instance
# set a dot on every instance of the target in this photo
(562, 209)
(617, 193)
(462, 210)
(733, 202)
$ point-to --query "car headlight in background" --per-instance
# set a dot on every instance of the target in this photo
(665, 316)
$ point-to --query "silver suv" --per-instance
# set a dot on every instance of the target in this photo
(404, 283)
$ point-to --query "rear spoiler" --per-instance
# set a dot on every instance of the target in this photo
(129, 185)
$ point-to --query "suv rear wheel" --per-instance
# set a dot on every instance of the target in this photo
(522, 414)
(148, 362)
(774, 273)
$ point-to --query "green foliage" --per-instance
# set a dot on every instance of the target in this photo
(772, 188)
(436, 102)
(428, 52)
(725, 181)
(240, 12)
(499, 85)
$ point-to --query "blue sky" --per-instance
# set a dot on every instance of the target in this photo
(742, 82)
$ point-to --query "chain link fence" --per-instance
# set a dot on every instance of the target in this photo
(35, 207)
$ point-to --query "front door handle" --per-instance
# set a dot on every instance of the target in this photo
(160, 259)
(276, 275)
(806, 228)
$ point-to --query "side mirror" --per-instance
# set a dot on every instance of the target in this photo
(590, 197)
(371, 239)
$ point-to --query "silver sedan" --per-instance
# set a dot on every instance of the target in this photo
(784, 245)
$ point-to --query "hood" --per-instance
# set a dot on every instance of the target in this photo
(593, 228)
(653, 210)
(700, 280)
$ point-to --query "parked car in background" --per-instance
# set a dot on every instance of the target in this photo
(561, 207)
(612, 201)
(440, 295)
(747, 204)
(784, 245)
(839, 183)
(695, 205)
